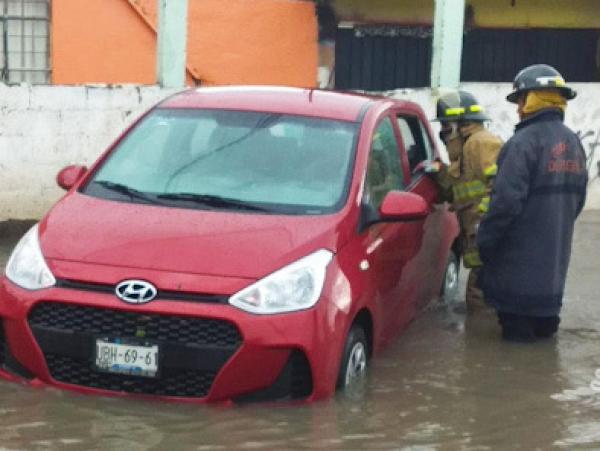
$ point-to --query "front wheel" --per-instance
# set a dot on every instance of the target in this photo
(353, 370)
(450, 285)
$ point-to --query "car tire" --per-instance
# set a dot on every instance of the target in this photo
(449, 289)
(353, 370)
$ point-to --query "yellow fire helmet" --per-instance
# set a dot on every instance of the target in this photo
(459, 106)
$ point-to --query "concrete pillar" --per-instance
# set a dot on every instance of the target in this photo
(172, 41)
(448, 27)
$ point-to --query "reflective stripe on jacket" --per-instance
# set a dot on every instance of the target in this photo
(469, 179)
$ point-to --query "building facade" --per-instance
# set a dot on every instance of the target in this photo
(387, 44)
(70, 42)
(370, 45)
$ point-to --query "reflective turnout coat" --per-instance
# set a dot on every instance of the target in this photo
(467, 184)
(525, 238)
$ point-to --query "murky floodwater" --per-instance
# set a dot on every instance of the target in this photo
(447, 383)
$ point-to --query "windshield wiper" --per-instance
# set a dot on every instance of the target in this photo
(213, 201)
(127, 190)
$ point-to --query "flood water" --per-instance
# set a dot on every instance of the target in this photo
(447, 383)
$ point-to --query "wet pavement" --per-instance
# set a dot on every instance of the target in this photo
(447, 383)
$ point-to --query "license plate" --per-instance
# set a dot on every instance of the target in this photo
(124, 358)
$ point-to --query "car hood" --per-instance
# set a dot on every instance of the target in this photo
(221, 243)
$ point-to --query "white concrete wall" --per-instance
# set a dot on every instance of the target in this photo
(44, 128)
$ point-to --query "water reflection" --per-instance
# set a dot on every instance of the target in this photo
(508, 389)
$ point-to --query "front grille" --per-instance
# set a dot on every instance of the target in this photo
(192, 350)
(165, 295)
(171, 383)
(106, 322)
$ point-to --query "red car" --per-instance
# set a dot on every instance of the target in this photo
(234, 244)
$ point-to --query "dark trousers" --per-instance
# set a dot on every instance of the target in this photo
(527, 328)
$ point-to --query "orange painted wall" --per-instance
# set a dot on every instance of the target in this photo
(100, 41)
(229, 42)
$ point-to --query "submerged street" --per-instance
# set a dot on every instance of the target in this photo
(447, 383)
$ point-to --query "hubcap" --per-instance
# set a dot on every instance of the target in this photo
(357, 364)
(451, 277)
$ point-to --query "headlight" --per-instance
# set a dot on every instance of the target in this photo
(297, 286)
(26, 266)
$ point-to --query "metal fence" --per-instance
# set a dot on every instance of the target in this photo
(382, 57)
(496, 55)
(24, 41)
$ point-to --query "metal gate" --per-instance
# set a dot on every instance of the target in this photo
(498, 54)
(380, 58)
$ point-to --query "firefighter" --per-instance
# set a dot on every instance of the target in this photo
(466, 182)
(540, 189)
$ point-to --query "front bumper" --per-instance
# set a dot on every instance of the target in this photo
(209, 352)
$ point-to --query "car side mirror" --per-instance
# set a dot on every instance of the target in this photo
(402, 206)
(70, 175)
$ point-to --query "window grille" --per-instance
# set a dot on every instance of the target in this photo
(24, 41)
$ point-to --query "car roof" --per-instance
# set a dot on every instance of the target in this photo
(279, 99)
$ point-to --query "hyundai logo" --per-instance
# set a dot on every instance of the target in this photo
(136, 291)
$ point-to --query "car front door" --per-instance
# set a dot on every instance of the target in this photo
(389, 247)
(430, 262)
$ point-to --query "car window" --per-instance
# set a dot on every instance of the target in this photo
(427, 144)
(384, 168)
(158, 130)
(416, 140)
(202, 131)
(284, 163)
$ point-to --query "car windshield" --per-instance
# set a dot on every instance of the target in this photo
(231, 160)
